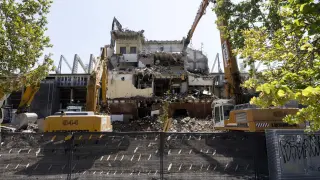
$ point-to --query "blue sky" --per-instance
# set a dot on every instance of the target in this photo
(83, 26)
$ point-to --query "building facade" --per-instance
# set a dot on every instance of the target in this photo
(144, 72)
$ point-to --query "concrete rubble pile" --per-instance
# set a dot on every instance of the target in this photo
(182, 124)
(32, 128)
(188, 124)
(144, 124)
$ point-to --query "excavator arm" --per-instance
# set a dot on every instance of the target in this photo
(27, 98)
(22, 118)
(201, 11)
(104, 82)
(94, 83)
(203, 6)
(231, 70)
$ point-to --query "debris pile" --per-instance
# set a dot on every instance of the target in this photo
(32, 128)
(186, 124)
(144, 124)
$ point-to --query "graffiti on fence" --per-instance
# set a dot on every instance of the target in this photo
(299, 153)
(299, 147)
(293, 154)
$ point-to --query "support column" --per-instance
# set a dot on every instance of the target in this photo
(71, 96)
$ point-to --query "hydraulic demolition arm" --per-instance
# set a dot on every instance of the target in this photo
(27, 98)
(231, 70)
(99, 73)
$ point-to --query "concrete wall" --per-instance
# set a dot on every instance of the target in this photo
(128, 43)
(198, 110)
(199, 81)
(171, 47)
(196, 60)
(143, 61)
(124, 88)
(124, 108)
(184, 87)
(129, 58)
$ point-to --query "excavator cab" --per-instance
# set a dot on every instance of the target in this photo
(221, 110)
(247, 117)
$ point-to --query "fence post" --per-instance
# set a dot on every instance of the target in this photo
(71, 149)
(256, 155)
(161, 153)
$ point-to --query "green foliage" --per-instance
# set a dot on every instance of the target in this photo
(22, 41)
(286, 32)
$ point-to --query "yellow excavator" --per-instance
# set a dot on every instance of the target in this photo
(91, 120)
(231, 113)
(22, 117)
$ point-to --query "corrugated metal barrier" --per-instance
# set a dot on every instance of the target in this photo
(143, 156)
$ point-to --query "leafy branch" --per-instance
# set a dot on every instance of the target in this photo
(22, 41)
(284, 32)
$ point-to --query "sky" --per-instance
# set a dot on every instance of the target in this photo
(83, 26)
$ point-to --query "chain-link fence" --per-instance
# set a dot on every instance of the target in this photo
(145, 155)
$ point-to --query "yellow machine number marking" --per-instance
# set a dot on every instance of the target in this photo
(70, 122)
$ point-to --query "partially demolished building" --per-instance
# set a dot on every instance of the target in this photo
(143, 72)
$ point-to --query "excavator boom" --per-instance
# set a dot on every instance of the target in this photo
(94, 83)
(104, 82)
(27, 98)
(231, 70)
(203, 6)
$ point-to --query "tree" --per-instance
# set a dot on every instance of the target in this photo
(286, 32)
(22, 41)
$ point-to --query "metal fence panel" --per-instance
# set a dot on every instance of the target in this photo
(143, 155)
(34, 156)
(293, 154)
(116, 156)
(210, 156)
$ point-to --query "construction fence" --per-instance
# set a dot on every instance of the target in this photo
(141, 155)
(293, 154)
